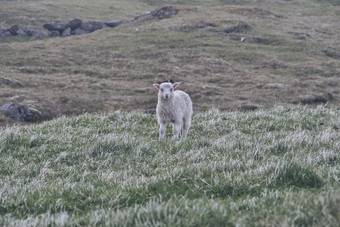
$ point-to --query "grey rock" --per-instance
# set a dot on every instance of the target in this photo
(21, 32)
(113, 23)
(66, 32)
(92, 26)
(28, 31)
(5, 34)
(54, 33)
(55, 26)
(37, 35)
(19, 112)
(14, 29)
(316, 98)
(79, 31)
(74, 23)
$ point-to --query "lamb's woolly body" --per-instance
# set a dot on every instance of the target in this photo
(173, 107)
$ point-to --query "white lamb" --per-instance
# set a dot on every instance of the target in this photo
(173, 107)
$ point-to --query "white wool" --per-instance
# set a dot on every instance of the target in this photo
(176, 108)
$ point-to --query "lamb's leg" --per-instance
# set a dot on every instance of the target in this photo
(183, 128)
(162, 131)
(186, 126)
(176, 130)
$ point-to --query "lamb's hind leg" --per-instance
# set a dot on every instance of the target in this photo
(186, 126)
(183, 128)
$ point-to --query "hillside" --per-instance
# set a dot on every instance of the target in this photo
(289, 53)
(269, 167)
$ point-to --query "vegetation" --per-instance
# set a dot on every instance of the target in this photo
(276, 166)
(263, 168)
(293, 46)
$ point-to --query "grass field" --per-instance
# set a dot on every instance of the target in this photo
(290, 52)
(98, 161)
(276, 167)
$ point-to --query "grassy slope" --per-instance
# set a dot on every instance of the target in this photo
(269, 167)
(114, 68)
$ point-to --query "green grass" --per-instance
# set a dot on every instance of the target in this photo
(293, 45)
(270, 167)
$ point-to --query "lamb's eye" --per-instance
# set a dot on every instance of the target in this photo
(170, 89)
(161, 90)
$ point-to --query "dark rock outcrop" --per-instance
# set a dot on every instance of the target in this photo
(315, 98)
(5, 33)
(55, 26)
(74, 23)
(92, 26)
(66, 32)
(79, 31)
(113, 23)
(53, 33)
(15, 30)
(76, 26)
(20, 112)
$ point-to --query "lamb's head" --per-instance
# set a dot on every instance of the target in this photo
(166, 90)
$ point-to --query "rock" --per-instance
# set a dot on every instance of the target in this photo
(5, 33)
(113, 23)
(315, 99)
(20, 112)
(66, 32)
(164, 12)
(14, 30)
(74, 23)
(21, 32)
(92, 26)
(53, 33)
(55, 26)
(37, 35)
(28, 31)
(79, 31)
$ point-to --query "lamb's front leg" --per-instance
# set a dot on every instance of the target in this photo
(176, 130)
(162, 128)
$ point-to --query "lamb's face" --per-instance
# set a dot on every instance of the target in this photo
(166, 90)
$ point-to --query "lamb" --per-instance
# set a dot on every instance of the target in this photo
(173, 107)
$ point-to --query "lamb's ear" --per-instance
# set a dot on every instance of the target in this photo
(156, 86)
(175, 84)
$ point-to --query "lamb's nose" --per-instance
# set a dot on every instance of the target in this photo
(166, 96)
